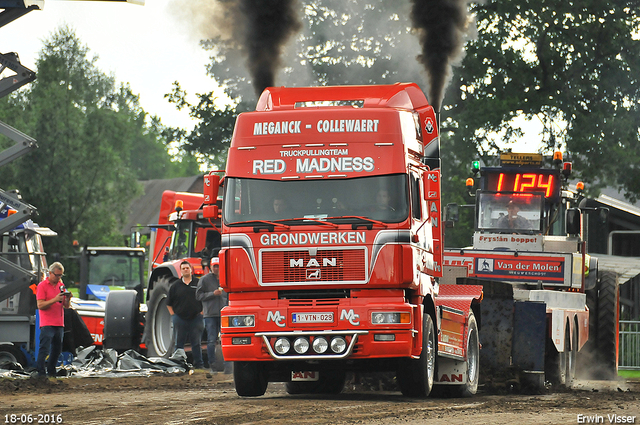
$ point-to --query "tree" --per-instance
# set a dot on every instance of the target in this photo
(210, 139)
(93, 141)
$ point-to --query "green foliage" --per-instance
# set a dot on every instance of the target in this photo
(94, 143)
(209, 141)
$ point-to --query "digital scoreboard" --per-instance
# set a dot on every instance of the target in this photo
(521, 180)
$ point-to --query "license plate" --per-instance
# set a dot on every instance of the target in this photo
(312, 318)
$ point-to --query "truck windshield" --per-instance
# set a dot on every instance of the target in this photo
(382, 198)
(509, 212)
(121, 270)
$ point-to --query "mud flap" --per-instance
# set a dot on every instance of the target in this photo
(512, 337)
(496, 331)
(529, 336)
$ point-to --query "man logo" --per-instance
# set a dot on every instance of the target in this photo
(313, 262)
(276, 318)
(313, 274)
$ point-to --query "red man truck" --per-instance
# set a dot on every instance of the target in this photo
(332, 245)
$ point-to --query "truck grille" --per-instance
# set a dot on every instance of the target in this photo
(331, 265)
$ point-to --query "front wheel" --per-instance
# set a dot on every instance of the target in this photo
(415, 376)
(250, 378)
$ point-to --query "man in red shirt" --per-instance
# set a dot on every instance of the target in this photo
(52, 298)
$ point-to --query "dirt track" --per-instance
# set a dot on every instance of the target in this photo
(205, 399)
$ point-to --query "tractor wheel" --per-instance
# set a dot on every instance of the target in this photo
(159, 337)
(121, 318)
(571, 350)
(329, 382)
(415, 377)
(9, 353)
(607, 326)
(250, 378)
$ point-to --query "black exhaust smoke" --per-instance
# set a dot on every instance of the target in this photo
(442, 26)
(267, 26)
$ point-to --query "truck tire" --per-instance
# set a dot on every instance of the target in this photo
(607, 325)
(473, 367)
(9, 353)
(473, 361)
(415, 376)
(329, 382)
(121, 318)
(159, 337)
(250, 378)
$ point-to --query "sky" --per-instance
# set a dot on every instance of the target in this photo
(145, 46)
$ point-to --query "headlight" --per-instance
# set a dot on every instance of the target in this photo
(239, 321)
(387, 318)
(320, 345)
(282, 345)
(301, 345)
(338, 344)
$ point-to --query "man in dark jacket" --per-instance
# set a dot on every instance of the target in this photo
(213, 300)
(186, 313)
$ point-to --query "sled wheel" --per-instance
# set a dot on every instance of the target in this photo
(555, 364)
(571, 350)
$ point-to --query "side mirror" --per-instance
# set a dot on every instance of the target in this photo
(603, 215)
(210, 188)
(452, 212)
(210, 212)
(135, 240)
(574, 221)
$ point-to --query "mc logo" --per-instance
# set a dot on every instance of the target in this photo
(276, 318)
(350, 316)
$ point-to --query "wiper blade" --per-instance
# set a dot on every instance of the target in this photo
(315, 220)
(256, 223)
(359, 217)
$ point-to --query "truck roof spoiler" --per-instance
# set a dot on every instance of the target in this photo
(399, 95)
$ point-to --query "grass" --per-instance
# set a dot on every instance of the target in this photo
(634, 374)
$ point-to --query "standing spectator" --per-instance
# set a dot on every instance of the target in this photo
(186, 313)
(52, 298)
(213, 299)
